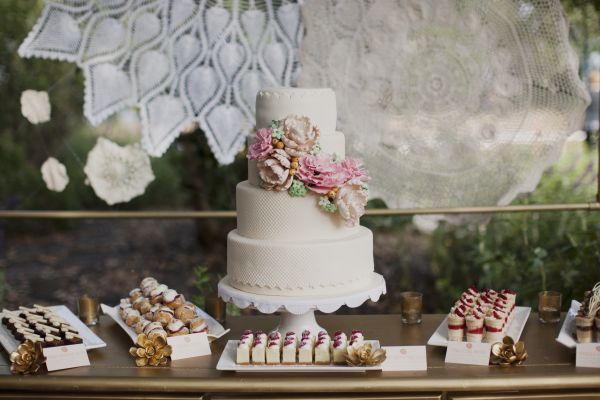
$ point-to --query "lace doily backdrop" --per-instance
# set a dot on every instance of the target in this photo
(178, 61)
(449, 102)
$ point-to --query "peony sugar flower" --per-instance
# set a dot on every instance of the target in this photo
(353, 171)
(274, 172)
(299, 135)
(262, 146)
(351, 201)
(319, 173)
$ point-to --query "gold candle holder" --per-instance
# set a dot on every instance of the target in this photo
(549, 304)
(412, 307)
(88, 309)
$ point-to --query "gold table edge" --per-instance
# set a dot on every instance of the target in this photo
(295, 384)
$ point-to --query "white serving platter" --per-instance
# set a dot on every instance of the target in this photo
(227, 363)
(521, 314)
(215, 329)
(90, 339)
(567, 333)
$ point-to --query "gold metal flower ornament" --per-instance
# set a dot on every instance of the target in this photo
(27, 358)
(508, 352)
(364, 355)
(154, 352)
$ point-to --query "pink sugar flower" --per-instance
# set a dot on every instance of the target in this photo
(261, 147)
(319, 173)
(353, 171)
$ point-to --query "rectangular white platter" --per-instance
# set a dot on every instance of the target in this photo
(567, 333)
(215, 329)
(521, 314)
(227, 363)
(90, 339)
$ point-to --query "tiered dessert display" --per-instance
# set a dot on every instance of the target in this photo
(298, 245)
(482, 316)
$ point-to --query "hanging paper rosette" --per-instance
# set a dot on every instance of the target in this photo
(117, 173)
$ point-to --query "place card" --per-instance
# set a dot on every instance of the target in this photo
(468, 353)
(187, 346)
(588, 355)
(63, 357)
(405, 358)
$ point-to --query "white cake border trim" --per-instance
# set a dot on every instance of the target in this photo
(268, 304)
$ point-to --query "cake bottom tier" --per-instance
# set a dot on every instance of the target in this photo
(297, 268)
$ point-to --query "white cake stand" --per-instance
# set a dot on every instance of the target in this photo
(298, 313)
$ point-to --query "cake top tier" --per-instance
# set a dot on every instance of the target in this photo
(317, 104)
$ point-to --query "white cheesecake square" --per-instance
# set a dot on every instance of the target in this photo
(305, 355)
(243, 355)
(322, 355)
(273, 355)
(258, 355)
(339, 354)
(288, 355)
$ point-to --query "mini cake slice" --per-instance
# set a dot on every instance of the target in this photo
(243, 348)
(322, 348)
(356, 338)
(273, 352)
(305, 351)
(289, 349)
(339, 348)
(259, 347)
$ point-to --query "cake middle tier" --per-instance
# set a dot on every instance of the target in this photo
(297, 268)
(277, 216)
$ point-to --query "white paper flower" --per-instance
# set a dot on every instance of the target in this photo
(55, 175)
(35, 106)
(117, 173)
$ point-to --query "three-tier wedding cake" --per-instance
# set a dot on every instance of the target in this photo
(297, 214)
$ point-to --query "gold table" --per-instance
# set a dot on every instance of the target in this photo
(549, 372)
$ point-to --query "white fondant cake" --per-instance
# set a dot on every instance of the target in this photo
(286, 245)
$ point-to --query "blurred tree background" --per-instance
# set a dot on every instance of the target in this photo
(526, 251)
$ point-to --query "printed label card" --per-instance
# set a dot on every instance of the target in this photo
(588, 355)
(64, 357)
(468, 353)
(188, 346)
(405, 358)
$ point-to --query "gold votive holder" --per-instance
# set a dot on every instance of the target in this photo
(549, 304)
(215, 307)
(412, 307)
(88, 309)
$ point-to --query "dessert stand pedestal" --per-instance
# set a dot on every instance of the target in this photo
(298, 313)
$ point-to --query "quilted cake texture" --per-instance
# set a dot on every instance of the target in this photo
(309, 267)
(277, 216)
